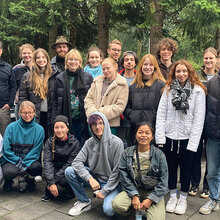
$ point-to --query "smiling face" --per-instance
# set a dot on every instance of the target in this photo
(114, 51)
(109, 70)
(27, 113)
(27, 55)
(144, 135)
(41, 60)
(94, 59)
(61, 50)
(165, 54)
(209, 60)
(181, 74)
(147, 69)
(129, 62)
(60, 130)
(73, 63)
(98, 128)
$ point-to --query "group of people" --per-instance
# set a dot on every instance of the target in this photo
(119, 130)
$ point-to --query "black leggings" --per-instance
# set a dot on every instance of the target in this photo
(10, 171)
(177, 154)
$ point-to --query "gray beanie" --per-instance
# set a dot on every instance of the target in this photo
(61, 118)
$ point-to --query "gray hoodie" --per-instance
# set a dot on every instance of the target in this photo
(102, 157)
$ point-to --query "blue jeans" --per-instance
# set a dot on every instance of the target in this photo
(213, 164)
(77, 184)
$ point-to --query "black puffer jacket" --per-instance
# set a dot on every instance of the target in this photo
(65, 153)
(143, 102)
(7, 84)
(26, 94)
(60, 92)
(212, 121)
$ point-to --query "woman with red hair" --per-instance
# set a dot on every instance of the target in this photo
(179, 125)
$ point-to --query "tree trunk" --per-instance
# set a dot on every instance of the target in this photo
(104, 11)
(217, 39)
(156, 32)
(73, 32)
(52, 39)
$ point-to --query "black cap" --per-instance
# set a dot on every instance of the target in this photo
(61, 118)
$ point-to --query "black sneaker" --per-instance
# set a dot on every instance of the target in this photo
(193, 191)
(205, 193)
(45, 198)
(7, 187)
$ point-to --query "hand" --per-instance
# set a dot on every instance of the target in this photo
(54, 190)
(146, 204)
(94, 184)
(136, 202)
(6, 106)
(99, 195)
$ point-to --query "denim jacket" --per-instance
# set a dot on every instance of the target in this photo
(158, 168)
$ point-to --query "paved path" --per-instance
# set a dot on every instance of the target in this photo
(28, 206)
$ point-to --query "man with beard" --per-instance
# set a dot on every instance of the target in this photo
(62, 47)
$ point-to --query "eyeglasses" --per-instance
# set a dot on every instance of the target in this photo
(27, 113)
(72, 59)
(98, 124)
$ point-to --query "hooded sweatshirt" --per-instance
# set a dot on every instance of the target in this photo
(102, 157)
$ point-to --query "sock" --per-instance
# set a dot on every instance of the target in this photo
(173, 193)
(183, 195)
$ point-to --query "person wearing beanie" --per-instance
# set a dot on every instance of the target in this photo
(59, 152)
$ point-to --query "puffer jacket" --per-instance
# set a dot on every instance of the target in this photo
(60, 91)
(212, 122)
(143, 102)
(64, 154)
(175, 125)
(158, 168)
(113, 102)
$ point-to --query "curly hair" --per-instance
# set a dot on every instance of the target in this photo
(169, 44)
(193, 77)
(39, 85)
(156, 74)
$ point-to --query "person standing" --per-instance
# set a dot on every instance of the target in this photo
(166, 49)
(26, 54)
(179, 126)
(70, 90)
(7, 92)
(208, 71)
(61, 46)
(212, 129)
(114, 52)
(37, 87)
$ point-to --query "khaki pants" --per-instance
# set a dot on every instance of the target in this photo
(5, 119)
(122, 205)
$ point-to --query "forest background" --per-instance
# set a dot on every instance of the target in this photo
(139, 24)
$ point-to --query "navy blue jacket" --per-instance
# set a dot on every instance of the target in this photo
(7, 84)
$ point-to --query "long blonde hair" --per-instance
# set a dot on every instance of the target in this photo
(39, 85)
(156, 74)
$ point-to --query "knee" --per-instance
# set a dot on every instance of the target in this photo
(108, 210)
(35, 169)
(70, 173)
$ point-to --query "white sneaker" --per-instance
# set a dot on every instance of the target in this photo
(181, 207)
(210, 206)
(80, 207)
(171, 205)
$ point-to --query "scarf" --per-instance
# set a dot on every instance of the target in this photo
(78, 83)
(180, 96)
(94, 71)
